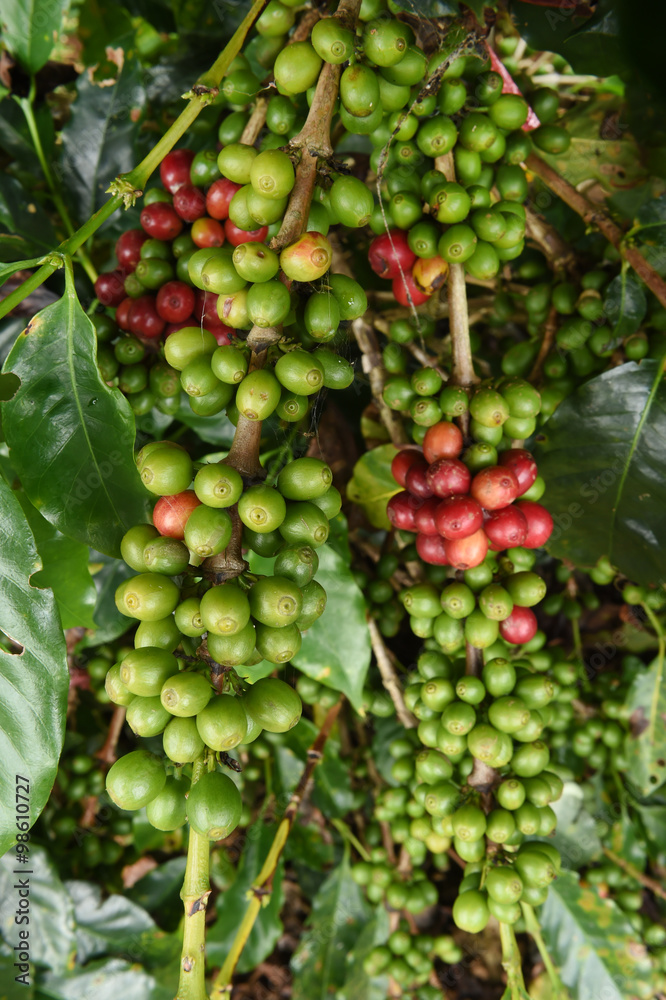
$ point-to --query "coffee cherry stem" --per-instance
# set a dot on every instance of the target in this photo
(262, 886)
(195, 893)
(373, 367)
(511, 961)
(533, 928)
(255, 123)
(547, 341)
(389, 676)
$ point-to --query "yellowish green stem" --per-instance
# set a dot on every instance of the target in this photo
(532, 927)
(194, 894)
(512, 962)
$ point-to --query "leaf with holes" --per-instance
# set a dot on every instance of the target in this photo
(607, 485)
(70, 436)
(34, 683)
(646, 741)
(372, 484)
(593, 944)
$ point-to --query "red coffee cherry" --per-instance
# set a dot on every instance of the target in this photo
(449, 477)
(458, 517)
(110, 287)
(442, 440)
(432, 549)
(171, 513)
(389, 253)
(175, 169)
(430, 274)
(161, 221)
(175, 301)
(205, 309)
(237, 236)
(494, 487)
(173, 327)
(401, 510)
(207, 232)
(144, 319)
(403, 461)
(128, 249)
(189, 202)
(223, 334)
(523, 466)
(407, 292)
(466, 553)
(219, 198)
(417, 481)
(506, 528)
(122, 313)
(539, 523)
(519, 627)
(425, 517)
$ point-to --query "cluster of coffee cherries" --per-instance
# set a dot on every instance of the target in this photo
(182, 705)
(409, 959)
(180, 293)
(251, 618)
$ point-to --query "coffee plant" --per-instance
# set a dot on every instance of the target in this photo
(333, 618)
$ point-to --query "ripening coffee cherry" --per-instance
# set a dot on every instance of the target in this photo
(135, 779)
(401, 509)
(506, 528)
(447, 477)
(390, 254)
(432, 549)
(181, 741)
(186, 694)
(214, 806)
(424, 517)
(222, 724)
(403, 461)
(442, 440)
(523, 466)
(273, 704)
(225, 609)
(170, 514)
(494, 487)
(308, 258)
(458, 517)
(519, 627)
(539, 523)
(148, 597)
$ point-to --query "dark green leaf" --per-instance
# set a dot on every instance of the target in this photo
(30, 28)
(305, 847)
(10, 327)
(217, 429)
(116, 926)
(646, 742)
(268, 926)
(18, 265)
(589, 44)
(593, 944)
(339, 914)
(51, 927)
(358, 985)
(336, 649)
(160, 887)
(607, 485)
(70, 435)
(332, 782)
(372, 484)
(65, 569)
(431, 8)
(24, 219)
(653, 819)
(107, 979)
(108, 574)
(33, 683)
(576, 836)
(625, 303)
(98, 138)
(651, 232)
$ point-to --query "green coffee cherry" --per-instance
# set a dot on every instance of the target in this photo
(135, 779)
(144, 671)
(278, 645)
(167, 810)
(218, 485)
(117, 692)
(214, 806)
(181, 741)
(225, 609)
(222, 724)
(258, 394)
(314, 604)
(299, 372)
(208, 531)
(274, 705)
(147, 716)
(134, 542)
(275, 601)
(166, 555)
(148, 597)
(233, 649)
(186, 694)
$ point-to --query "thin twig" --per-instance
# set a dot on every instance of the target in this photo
(649, 883)
(549, 331)
(107, 754)
(373, 366)
(255, 123)
(557, 251)
(593, 216)
(389, 676)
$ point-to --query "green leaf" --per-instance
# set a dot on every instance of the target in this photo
(34, 683)
(646, 742)
(30, 28)
(627, 839)
(107, 979)
(336, 649)
(332, 782)
(101, 25)
(339, 914)
(24, 219)
(576, 836)
(592, 942)
(607, 485)
(432, 8)
(372, 484)
(217, 429)
(268, 926)
(65, 569)
(116, 926)
(15, 137)
(10, 988)
(108, 574)
(589, 44)
(18, 265)
(98, 138)
(70, 435)
(650, 232)
(51, 916)
(358, 985)
(160, 888)
(625, 303)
